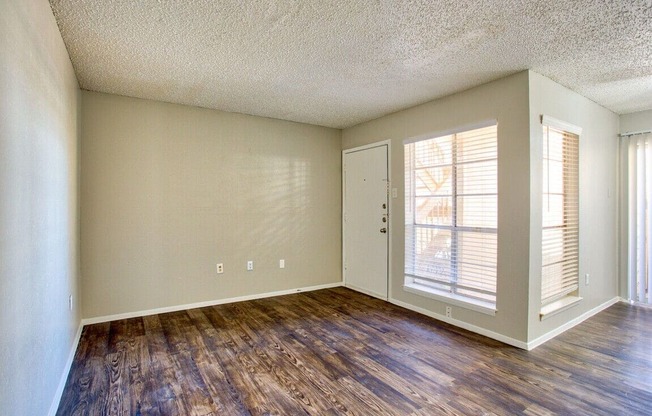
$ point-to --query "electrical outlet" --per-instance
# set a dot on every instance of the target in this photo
(70, 302)
(586, 279)
(449, 312)
(281, 264)
(250, 265)
(220, 268)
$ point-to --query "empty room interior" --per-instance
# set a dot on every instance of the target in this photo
(325, 207)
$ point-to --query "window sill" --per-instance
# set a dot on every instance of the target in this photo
(461, 301)
(556, 307)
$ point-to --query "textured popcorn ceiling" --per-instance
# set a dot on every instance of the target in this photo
(338, 63)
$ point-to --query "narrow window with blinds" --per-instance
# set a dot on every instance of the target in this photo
(451, 216)
(560, 218)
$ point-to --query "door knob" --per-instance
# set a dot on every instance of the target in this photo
(383, 230)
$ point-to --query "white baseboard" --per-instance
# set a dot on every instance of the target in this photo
(508, 340)
(365, 291)
(64, 377)
(478, 330)
(137, 314)
(66, 370)
(633, 303)
(568, 325)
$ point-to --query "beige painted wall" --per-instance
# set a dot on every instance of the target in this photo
(633, 122)
(506, 101)
(39, 100)
(168, 191)
(598, 198)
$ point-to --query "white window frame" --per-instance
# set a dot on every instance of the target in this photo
(566, 300)
(412, 284)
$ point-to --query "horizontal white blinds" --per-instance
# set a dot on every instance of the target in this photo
(560, 220)
(451, 217)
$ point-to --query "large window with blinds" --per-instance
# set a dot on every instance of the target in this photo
(560, 219)
(451, 215)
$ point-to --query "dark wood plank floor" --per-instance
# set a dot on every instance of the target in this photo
(339, 352)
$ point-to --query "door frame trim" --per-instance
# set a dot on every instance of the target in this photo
(387, 143)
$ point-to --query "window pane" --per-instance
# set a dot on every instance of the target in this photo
(477, 144)
(477, 211)
(487, 297)
(552, 246)
(476, 264)
(477, 260)
(553, 177)
(477, 178)
(433, 253)
(434, 181)
(553, 210)
(434, 210)
(551, 278)
(433, 152)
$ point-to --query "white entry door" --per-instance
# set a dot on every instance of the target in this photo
(366, 219)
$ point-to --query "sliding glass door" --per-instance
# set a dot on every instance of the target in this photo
(637, 164)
